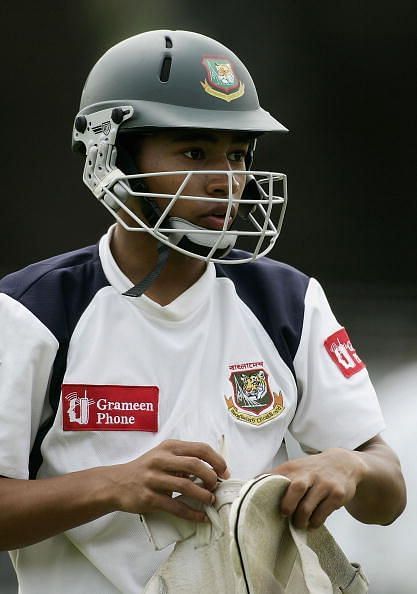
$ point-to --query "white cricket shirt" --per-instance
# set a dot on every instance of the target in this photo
(245, 354)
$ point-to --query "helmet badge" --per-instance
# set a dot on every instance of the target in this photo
(221, 81)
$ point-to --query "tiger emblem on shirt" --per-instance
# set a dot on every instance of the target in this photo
(252, 389)
(252, 401)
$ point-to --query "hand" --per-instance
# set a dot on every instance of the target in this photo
(147, 483)
(320, 484)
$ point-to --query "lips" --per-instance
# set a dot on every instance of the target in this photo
(215, 222)
(215, 218)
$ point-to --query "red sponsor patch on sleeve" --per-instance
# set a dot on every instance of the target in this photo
(109, 408)
(342, 353)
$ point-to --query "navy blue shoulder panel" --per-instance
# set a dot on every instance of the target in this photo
(275, 293)
(57, 291)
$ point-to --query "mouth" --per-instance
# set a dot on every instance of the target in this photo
(217, 222)
(216, 219)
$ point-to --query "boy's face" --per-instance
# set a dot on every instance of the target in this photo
(183, 150)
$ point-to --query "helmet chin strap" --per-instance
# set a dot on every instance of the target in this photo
(140, 288)
(152, 213)
(183, 240)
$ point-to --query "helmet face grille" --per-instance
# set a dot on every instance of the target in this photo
(263, 206)
(251, 205)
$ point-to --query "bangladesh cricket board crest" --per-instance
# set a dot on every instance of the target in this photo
(221, 80)
(253, 401)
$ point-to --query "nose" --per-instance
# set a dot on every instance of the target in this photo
(217, 184)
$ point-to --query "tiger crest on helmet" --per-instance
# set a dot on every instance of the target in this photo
(221, 80)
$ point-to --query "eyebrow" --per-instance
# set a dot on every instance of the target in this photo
(207, 137)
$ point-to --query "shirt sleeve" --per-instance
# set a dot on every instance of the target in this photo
(27, 353)
(338, 406)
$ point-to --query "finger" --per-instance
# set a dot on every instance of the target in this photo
(327, 506)
(192, 467)
(202, 451)
(295, 492)
(186, 487)
(307, 506)
(178, 508)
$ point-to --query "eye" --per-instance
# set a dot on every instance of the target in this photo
(237, 156)
(195, 154)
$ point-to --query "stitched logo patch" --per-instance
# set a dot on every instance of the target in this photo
(221, 80)
(342, 353)
(109, 408)
(252, 401)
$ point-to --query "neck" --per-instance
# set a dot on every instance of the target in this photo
(136, 255)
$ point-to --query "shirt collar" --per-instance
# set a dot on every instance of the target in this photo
(191, 300)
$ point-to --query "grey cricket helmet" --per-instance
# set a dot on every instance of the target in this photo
(161, 80)
(176, 79)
